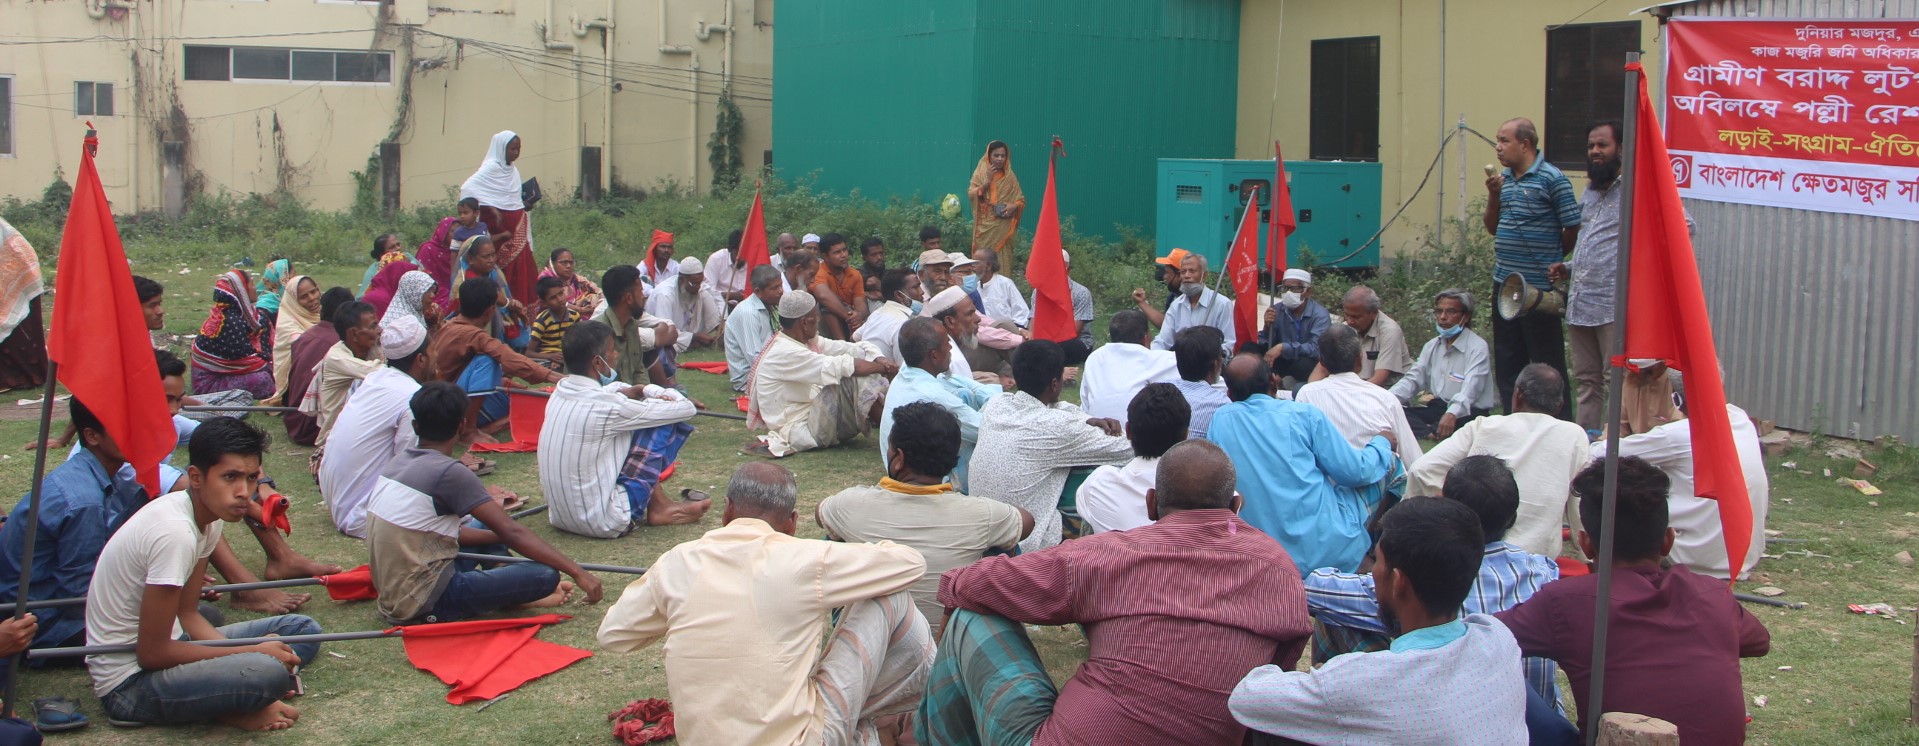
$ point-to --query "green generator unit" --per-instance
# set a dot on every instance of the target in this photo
(1200, 202)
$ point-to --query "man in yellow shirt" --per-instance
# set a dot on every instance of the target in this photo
(746, 606)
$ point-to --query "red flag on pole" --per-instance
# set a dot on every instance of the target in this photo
(1666, 319)
(1046, 268)
(99, 335)
(753, 239)
(1242, 264)
(1281, 222)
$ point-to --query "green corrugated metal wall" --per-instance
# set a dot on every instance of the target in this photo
(901, 98)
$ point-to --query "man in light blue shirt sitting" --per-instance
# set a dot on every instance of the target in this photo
(1197, 305)
(1346, 609)
(1304, 484)
(1449, 679)
(1455, 367)
(925, 355)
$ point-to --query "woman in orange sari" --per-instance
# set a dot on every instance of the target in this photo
(997, 201)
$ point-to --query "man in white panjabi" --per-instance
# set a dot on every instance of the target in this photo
(811, 392)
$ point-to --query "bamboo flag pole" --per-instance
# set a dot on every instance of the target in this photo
(33, 521)
(1615, 383)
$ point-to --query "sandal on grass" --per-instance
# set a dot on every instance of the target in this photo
(57, 715)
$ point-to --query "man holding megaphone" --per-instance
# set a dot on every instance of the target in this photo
(1534, 219)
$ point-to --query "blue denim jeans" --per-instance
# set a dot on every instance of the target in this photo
(474, 591)
(202, 691)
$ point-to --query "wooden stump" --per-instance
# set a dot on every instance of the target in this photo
(1627, 729)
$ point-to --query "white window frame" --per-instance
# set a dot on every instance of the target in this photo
(96, 98)
(232, 78)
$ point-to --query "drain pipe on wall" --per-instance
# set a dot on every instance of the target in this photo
(605, 25)
(546, 34)
(692, 98)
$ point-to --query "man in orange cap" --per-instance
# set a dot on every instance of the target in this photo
(1168, 273)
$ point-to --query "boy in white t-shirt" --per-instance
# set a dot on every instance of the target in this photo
(145, 592)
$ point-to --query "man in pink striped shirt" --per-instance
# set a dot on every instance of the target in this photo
(1175, 612)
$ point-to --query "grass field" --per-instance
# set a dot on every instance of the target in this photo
(1833, 677)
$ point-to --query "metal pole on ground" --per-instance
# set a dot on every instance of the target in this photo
(33, 524)
(228, 588)
(512, 560)
(217, 409)
(239, 642)
(1615, 383)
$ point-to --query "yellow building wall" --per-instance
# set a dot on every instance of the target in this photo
(477, 67)
(1488, 63)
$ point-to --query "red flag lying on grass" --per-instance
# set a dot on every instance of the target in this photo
(1242, 264)
(525, 413)
(706, 366)
(1666, 319)
(1046, 268)
(99, 335)
(753, 237)
(1281, 220)
(486, 658)
(351, 585)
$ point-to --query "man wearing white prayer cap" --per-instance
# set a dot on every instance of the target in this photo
(991, 359)
(810, 242)
(685, 301)
(375, 425)
(1293, 326)
(811, 392)
(960, 319)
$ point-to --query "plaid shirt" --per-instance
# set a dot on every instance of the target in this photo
(1507, 576)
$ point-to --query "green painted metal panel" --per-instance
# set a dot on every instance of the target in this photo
(1122, 82)
(1199, 204)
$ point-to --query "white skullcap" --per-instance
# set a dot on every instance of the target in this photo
(1066, 256)
(946, 299)
(809, 238)
(691, 266)
(1300, 275)
(401, 336)
(960, 260)
(797, 304)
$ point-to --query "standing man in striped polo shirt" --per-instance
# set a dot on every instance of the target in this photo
(1533, 216)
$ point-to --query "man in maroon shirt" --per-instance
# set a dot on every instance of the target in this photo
(1676, 636)
(1175, 613)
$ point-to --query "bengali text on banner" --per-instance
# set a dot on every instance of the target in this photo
(1815, 115)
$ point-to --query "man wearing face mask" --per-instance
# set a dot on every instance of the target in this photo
(605, 443)
(902, 299)
(1455, 368)
(1293, 327)
(1197, 305)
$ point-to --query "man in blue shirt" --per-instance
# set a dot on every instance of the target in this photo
(78, 500)
(1304, 484)
(1293, 326)
(925, 355)
(1533, 216)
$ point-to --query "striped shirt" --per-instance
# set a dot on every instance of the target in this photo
(549, 329)
(1175, 612)
(584, 442)
(1205, 399)
(1534, 209)
(1507, 576)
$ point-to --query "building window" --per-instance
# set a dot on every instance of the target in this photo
(6, 115)
(1345, 99)
(301, 65)
(92, 99)
(1585, 83)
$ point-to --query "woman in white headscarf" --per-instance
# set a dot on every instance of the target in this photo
(496, 185)
(412, 305)
(298, 314)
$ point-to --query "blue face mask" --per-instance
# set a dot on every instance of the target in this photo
(610, 375)
(970, 283)
(1445, 333)
(916, 307)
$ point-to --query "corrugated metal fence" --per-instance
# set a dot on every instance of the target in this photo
(1816, 314)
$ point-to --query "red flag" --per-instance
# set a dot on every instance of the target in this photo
(351, 585)
(1046, 268)
(753, 240)
(1666, 319)
(1281, 222)
(486, 658)
(99, 335)
(1242, 264)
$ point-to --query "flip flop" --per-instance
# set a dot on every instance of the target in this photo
(57, 715)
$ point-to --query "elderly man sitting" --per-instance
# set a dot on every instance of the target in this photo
(1304, 484)
(925, 351)
(964, 326)
(810, 392)
(1456, 367)
(1197, 305)
(1545, 453)
(1293, 326)
(1358, 408)
(750, 326)
(1030, 441)
(1175, 613)
(1380, 337)
(746, 607)
(685, 301)
(901, 296)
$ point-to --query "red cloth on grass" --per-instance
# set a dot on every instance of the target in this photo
(643, 721)
(486, 658)
(526, 413)
(352, 585)
(707, 366)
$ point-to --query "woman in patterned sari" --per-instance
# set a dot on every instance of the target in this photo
(496, 186)
(479, 259)
(581, 293)
(230, 352)
(23, 337)
(997, 202)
